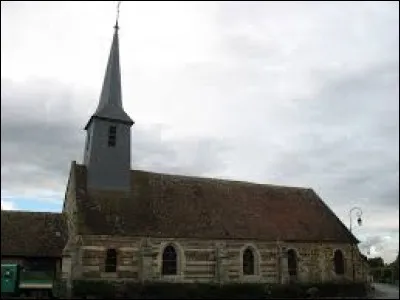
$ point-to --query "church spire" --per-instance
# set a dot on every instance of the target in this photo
(110, 103)
(107, 154)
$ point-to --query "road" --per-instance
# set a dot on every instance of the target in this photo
(386, 291)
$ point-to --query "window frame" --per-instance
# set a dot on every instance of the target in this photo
(171, 263)
(111, 261)
(248, 262)
(112, 136)
(256, 274)
(339, 266)
(293, 268)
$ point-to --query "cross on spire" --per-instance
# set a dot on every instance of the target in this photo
(117, 18)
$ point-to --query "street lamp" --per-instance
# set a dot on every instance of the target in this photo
(358, 212)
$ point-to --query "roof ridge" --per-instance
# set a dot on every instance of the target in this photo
(216, 179)
(225, 180)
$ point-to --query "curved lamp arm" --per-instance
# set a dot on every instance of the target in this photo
(358, 212)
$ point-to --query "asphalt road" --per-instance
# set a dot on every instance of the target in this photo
(386, 291)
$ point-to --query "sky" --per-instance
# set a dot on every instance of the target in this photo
(290, 93)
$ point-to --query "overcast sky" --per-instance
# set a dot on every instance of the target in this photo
(300, 93)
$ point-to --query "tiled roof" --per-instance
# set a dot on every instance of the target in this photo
(39, 234)
(163, 205)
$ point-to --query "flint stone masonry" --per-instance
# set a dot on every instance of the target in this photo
(139, 258)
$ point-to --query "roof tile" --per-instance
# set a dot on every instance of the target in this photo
(191, 207)
(39, 234)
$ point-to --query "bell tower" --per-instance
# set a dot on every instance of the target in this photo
(107, 154)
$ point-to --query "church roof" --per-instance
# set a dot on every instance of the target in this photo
(38, 234)
(162, 205)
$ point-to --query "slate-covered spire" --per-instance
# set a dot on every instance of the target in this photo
(107, 153)
(110, 103)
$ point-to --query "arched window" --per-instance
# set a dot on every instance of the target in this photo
(292, 263)
(111, 261)
(248, 262)
(169, 261)
(338, 262)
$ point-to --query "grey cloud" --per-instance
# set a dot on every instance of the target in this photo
(373, 241)
(342, 140)
(376, 244)
(189, 156)
(38, 144)
(345, 138)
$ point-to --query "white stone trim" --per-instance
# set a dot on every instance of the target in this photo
(299, 273)
(298, 256)
(127, 268)
(128, 249)
(345, 264)
(181, 260)
(91, 268)
(257, 262)
(95, 248)
(201, 263)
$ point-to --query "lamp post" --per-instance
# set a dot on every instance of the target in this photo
(358, 212)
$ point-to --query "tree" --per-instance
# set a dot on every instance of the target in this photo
(396, 261)
(395, 268)
(376, 262)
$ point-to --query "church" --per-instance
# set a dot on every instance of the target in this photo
(119, 223)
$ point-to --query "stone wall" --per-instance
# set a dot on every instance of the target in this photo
(71, 266)
(140, 259)
(69, 206)
(316, 261)
(93, 261)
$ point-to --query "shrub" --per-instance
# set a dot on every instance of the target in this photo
(91, 288)
(160, 290)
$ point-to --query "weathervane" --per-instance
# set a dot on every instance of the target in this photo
(116, 22)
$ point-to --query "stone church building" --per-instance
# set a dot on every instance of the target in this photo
(118, 223)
